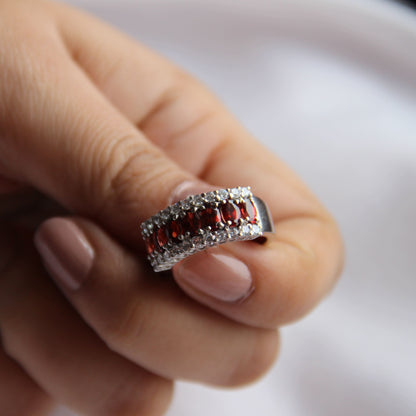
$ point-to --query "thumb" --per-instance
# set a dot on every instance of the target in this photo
(78, 149)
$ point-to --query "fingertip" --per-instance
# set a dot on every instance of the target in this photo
(65, 251)
(216, 274)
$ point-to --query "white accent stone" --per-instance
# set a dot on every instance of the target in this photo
(246, 193)
(175, 210)
(235, 193)
(256, 229)
(210, 197)
(165, 214)
(246, 229)
(221, 236)
(185, 204)
(198, 201)
(199, 242)
(222, 194)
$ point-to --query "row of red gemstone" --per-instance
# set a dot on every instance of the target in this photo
(228, 213)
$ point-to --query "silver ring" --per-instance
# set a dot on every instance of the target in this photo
(202, 221)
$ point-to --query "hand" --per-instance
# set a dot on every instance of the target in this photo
(112, 133)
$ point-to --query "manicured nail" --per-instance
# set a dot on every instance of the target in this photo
(221, 276)
(65, 251)
(188, 188)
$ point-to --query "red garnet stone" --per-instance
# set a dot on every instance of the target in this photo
(248, 211)
(162, 236)
(210, 218)
(150, 244)
(191, 222)
(230, 212)
(175, 229)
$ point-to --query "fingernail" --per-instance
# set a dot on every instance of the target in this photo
(65, 251)
(221, 276)
(188, 188)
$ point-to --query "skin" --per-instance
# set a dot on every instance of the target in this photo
(95, 126)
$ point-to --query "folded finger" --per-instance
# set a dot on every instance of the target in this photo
(76, 147)
(285, 277)
(143, 316)
(113, 173)
(62, 354)
(269, 284)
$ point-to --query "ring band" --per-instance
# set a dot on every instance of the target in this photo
(202, 221)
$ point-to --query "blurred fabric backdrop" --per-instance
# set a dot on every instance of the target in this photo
(329, 86)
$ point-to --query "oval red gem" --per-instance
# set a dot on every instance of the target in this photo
(150, 244)
(210, 217)
(191, 222)
(162, 236)
(175, 229)
(230, 212)
(248, 211)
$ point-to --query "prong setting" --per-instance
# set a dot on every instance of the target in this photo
(198, 217)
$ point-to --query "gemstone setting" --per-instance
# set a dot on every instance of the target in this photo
(230, 213)
(198, 222)
(248, 211)
(162, 237)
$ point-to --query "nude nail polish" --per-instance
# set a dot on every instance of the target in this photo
(216, 274)
(65, 251)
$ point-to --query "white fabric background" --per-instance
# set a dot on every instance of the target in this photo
(330, 86)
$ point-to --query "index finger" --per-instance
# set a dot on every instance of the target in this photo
(276, 282)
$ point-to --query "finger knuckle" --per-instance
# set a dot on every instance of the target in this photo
(256, 361)
(140, 169)
(125, 326)
(132, 167)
